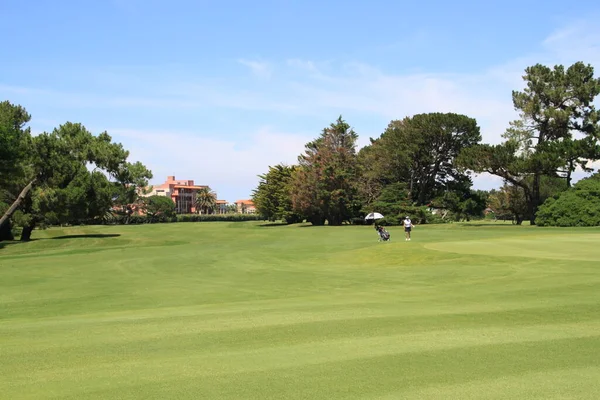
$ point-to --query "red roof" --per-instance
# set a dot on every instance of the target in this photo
(188, 187)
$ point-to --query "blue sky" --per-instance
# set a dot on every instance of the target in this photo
(217, 92)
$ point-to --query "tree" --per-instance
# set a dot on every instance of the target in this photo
(378, 165)
(420, 152)
(577, 206)
(508, 203)
(60, 186)
(158, 207)
(555, 106)
(394, 203)
(14, 141)
(462, 205)
(272, 197)
(323, 185)
(206, 200)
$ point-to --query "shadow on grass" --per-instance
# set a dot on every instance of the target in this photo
(7, 243)
(308, 225)
(273, 224)
(486, 225)
(91, 235)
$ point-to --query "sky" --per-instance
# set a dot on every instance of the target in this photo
(217, 92)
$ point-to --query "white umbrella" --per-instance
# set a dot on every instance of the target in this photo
(373, 215)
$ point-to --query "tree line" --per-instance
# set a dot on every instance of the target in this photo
(70, 176)
(418, 163)
(65, 176)
(425, 162)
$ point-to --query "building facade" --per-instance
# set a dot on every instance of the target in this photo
(183, 194)
(245, 207)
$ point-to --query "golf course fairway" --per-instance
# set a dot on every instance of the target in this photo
(246, 311)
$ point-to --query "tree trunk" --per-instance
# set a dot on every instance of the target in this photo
(334, 220)
(6, 232)
(316, 220)
(26, 234)
(535, 198)
(11, 210)
(569, 171)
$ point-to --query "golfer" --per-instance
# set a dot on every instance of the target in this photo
(407, 227)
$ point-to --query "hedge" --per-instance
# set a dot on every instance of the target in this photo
(577, 206)
(118, 219)
(219, 217)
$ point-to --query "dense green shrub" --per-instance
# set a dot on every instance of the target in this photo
(159, 208)
(578, 206)
(219, 217)
(418, 215)
(118, 219)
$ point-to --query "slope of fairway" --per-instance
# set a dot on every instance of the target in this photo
(244, 311)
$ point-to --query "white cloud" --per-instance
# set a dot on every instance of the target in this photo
(259, 68)
(227, 166)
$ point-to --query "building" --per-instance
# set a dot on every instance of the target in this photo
(222, 207)
(245, 207)
(183, 194)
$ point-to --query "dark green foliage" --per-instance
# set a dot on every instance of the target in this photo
(394, 203)
(159, 208)
(323, 187)
(555, 106)
(55, 181)
(419, 151)
(220, 217)
(461, 205)
(135, 219)
(577, 206)
(272, 197)
(206, 200)
(67, 192)
(417, 214)
(14, 142)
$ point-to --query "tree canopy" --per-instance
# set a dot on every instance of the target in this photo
(577, 206)
(65, 176)
(272, 197)
(206, 200)
(558, 130)
(323, 186)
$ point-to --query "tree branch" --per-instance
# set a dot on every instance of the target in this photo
(11, 210)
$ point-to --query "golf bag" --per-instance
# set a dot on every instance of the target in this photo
(383, 234)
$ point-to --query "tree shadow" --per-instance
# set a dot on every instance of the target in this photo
(485, 224)
(309, 225)
(91, 235)
(7, 243)
(274, 224)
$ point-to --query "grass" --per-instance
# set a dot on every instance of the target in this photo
(242, 311)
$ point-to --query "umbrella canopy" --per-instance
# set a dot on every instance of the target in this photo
(373, 215)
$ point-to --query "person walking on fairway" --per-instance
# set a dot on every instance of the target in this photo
(407, 227)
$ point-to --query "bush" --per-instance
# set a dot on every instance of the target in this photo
(357, 221)
(219, 217)
(135, 219)
(578, 206)
(418, 215)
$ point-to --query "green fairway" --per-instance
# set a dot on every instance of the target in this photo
(244, 311)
